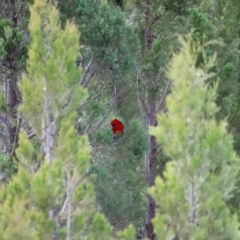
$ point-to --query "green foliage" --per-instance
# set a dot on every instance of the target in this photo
(7, 167)
(50, 65)
(203, 159)
(218, 19)
(14, 40)
(109, 39)
(58, 190)
(16, 206)
(14, 17)
(119, 182)
(128, 233)
(51, 94)
(10, 38)
(113, 45)
(177, 6)
(3, 102)
(200, 22)
(100, 228)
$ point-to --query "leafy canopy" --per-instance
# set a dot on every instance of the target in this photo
(201, 176)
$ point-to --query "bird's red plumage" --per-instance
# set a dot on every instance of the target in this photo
(117, 126)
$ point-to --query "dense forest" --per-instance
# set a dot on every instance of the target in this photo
(168, 70)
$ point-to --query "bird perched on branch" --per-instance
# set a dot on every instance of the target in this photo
(117, 128)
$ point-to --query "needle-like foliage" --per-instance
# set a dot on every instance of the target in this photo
(202, 174)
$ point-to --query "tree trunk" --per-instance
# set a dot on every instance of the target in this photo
(151, 174)
(12, 102)
(11, 90)
(152, 154)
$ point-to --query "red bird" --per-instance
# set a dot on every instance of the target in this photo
(117, 127)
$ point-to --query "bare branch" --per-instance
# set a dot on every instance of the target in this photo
(104, 117)
(160, 74)
(141, 102)
(4, 118)
(90, 120)
(96, 96)
(232, 119)
(69, 215)
(224, 17)
(118, 94)
(47, 127)
(108, 111)
(87, 68)
(95, 149)
(192, 201)
(23, 44)
(67, 199)
(163, 95)
(155, 155)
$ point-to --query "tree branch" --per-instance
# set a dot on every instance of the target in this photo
(47, 126)
(155, 155)
(192, 200)
(87, 68)
(163, 95)
(69, 214)
(3, 118)
(100, 122)
(97, 95)
(141, 102)
(224, 17)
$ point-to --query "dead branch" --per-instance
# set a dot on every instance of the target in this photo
(163, 96)
(141, 102)
(101, 121)
(96, 96)
(87, 68)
